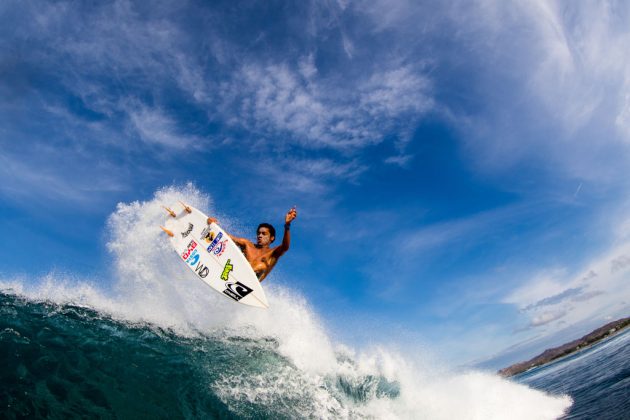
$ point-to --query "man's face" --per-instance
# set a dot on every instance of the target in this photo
(263, 236)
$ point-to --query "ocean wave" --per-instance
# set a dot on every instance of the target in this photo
(159, 343)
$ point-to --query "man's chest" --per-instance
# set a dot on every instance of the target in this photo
(262, 255)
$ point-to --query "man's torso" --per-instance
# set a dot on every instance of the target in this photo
(262, 260)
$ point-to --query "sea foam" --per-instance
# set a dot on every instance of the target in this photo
(152, 286)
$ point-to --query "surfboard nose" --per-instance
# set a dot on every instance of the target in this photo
(259, 300)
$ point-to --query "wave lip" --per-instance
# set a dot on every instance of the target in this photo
(162, 344)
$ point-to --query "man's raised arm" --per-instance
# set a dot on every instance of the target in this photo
(286, 238)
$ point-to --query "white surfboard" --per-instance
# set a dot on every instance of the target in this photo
(212, 255)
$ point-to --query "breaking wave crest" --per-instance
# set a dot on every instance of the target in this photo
(160, 343)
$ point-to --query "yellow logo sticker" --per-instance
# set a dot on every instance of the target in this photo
(226, 270)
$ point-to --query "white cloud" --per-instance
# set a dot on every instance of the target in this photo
(565, 69)
(276, 99)
(348, 46)
(600, 290)
(28, 181)
(191, 78)
(560, 64)
(542, 286)
(391, 14)
(154, 126)
(623, 119)
(550, 80)
(575, 293)
(269, 98)
(547, 317)
(393, 92)
(151, 125)
(107, 53)
(307, 67)
(309, 176)
(400, 160)
(576, 74)
(123, 67)
(458, 231)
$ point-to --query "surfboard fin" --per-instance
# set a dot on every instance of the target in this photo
(171, 212)
(168, 232)
(188, 209)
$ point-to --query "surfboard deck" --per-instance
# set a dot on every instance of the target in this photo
(213, 257)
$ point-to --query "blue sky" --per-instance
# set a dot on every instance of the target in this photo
(460, 169)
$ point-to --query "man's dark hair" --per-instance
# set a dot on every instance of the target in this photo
(272, 230)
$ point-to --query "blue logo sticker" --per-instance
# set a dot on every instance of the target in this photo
(215, 242)
(193, 258)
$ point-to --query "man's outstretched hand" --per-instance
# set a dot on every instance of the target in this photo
(212, 220)
(291, 214)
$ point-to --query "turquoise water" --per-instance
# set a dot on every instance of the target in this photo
(597, 378)
(68, 361)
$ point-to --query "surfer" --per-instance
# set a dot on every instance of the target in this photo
(261, 256)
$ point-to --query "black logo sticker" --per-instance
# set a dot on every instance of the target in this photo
(237, 291)
(187, 232)
(201, 270)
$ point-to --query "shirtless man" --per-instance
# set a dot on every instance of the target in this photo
(261, 257)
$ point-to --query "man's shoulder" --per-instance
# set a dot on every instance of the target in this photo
(240, 240)
(247, 243)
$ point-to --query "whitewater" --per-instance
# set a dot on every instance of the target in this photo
(210, 357)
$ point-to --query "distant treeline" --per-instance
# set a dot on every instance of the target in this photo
(568, 348)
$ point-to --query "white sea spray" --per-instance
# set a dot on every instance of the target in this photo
(321, 378)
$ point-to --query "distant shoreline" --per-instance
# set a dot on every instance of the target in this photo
(549, 355)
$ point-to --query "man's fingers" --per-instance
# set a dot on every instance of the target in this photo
(291, 214)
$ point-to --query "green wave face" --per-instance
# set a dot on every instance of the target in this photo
(65, 361)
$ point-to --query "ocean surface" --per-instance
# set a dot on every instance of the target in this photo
(597, 378)
(69, 361)
(148, 340)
